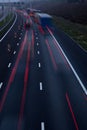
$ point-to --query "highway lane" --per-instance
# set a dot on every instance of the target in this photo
(68, 82)
(10, 46)
(74, 52)
(11, 110)
(41, 91)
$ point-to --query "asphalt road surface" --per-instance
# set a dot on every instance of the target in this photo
(39, 89)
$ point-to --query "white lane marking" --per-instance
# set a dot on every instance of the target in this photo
(42, 126)
(39, 65)
(9, 29)
(17, 44)
(14, 52)
(19, 38)
(38, 52)
(1, 85)
(36, 37)
(9, 65)
(41, 86)
(72, 68)
(37, 43)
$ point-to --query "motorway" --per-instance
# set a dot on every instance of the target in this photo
(39, 88)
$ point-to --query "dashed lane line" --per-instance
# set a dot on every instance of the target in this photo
(17, 44)
(14, 52)
(39, 65)
(9, 65)
(36, 37)
(1, 85)
(41, 86)
(38, 52)
(42, 126)
(37, 44)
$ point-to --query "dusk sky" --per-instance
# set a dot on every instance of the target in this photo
(18, 0)
(25, 0)
(7, 0)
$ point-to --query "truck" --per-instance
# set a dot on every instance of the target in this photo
(43, 19)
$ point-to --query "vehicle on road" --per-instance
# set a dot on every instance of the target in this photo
(43, 19)
(27, 24)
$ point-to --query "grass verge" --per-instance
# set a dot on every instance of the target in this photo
(6, 20)
(76, 31)
(7, 27)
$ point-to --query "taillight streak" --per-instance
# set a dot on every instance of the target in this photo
(13, 73)
(24, 90)
(71, 110)
(41, 29)
(33, 44)
(61, 54)
(51, 54)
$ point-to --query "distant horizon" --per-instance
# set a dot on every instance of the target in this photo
(2, 1)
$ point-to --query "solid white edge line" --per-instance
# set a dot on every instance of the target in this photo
(42, 126)
(41, 88)
(9, 29)
(72, 68)
(1, 85)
